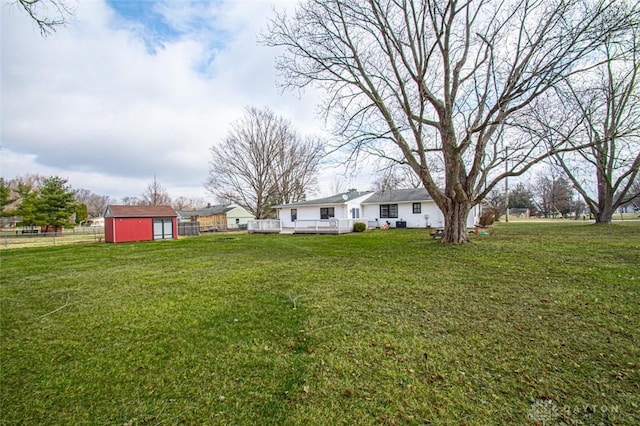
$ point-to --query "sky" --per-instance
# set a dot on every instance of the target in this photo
(132, 89)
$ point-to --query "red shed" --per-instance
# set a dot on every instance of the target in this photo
(139, 223)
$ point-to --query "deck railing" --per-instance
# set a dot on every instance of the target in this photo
(333, 225)
(319, 226)
(264, 225)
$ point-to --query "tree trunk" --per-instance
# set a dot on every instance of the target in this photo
(605, 199)
(455, 222)
(605, 210)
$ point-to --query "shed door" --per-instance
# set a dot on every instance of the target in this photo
(162, 229)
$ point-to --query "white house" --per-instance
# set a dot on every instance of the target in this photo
(95, 221)
(310, 215)
(398, 208)
(408, 208)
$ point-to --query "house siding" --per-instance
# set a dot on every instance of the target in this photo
(239, 213)
(312, 212)
(369, 211)
(405, 213)
(414, 220)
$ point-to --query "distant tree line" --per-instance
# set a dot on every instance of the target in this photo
(49, 201)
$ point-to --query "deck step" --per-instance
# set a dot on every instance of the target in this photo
(288, 231)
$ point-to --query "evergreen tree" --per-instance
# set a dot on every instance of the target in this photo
(55, 203)
(5, 197)
(521, 197)
(27, 209)
(82, 212)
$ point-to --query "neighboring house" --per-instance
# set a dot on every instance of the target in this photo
(521, 213)
(238, 217)
(139, 223)
(398, 208)
(341, 206)
(95, 221)
(10, 222)
(217, 218)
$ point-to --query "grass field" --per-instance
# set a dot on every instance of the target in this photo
(536, 324)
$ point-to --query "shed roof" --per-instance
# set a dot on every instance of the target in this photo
(140, 211)
(334, 199)
(399, 196)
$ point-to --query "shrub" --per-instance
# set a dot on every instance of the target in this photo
(359, 227)
(487, 217)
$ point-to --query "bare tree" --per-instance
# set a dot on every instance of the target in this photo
(262, 162)
(440, 83)
(293, 172)
(186, 203)
(338, 184)
(396, 176)
(553, 194)
(635, 202)
(496, 202)
(602, 110)
(156, 194)
(48, 14)
(132, 201)
(96, 204)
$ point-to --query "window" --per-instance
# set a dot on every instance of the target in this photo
(294, 215)
(388, 210)
(355, 213)
(417, 208)
(327, 212)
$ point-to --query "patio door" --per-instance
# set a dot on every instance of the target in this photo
(162, 229)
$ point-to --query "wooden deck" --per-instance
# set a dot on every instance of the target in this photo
(320, 226)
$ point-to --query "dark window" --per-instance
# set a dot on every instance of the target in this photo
(388, 210)
(294, 215)
(326, 212)
(355, 213)
(417, 208)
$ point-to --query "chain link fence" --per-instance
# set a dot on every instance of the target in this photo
(25, 237)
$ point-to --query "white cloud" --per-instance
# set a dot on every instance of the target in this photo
(92, 103)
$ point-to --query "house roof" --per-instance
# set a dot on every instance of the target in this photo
(399, 196)
(341, 198)
(140, 211)
(207, 211)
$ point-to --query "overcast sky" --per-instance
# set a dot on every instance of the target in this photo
(134, 88)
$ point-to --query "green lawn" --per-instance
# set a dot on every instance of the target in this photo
(535, 324)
